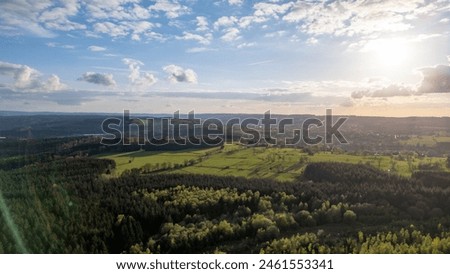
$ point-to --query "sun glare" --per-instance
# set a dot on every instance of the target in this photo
(390, 53)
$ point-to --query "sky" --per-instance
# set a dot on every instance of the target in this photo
(372, 58)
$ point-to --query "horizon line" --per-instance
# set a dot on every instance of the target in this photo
(2, 112)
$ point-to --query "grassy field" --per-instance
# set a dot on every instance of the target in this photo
(283, 164)
(428, 141)
(138, 159)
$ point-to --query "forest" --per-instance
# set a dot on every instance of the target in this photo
(61, 191)
(66, 202)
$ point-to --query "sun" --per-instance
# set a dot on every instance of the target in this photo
(393, 52)
(390, 53)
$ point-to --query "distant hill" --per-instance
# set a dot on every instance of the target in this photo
(57, 124)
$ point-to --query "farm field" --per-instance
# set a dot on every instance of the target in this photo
(282, 164)
(138, 159)
(427, 141)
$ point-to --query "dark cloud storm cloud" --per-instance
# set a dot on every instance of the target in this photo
(98, 78)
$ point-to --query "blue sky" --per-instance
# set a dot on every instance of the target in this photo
(229, 56)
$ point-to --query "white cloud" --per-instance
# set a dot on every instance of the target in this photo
(204, 40)
(235, 2)
(116, 18)
(128, 10)
(22, 16)
(98, 79)
(389, 91)
(136, 19)
(172, 9)
(312, 41)
(338, 18)
(423, 37)
(263, 12)
(39, 17)
(260, 63)
(231, 34)
(178, 74)
(225, 21)
(318, 18)
(25, 77)
(28, 79)
(96, 48)
(139, 28)
(155, 36)
(246, 45)
(112, 29)
(246, 21)
(53, 83)
(279, 33)
(202, 23)
(57, 17)
(133, 28)
(139, 80)
(57, 45)
(271, 9)
(199, 49)
(359, 17)
(134, 66)
(434, 80)
(125, 17)
(399, 46)
(147, 80)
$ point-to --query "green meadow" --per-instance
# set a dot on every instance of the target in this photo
(138, 159)
(428, 141)
(283, 164)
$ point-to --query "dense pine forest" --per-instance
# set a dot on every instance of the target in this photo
(58, 200)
